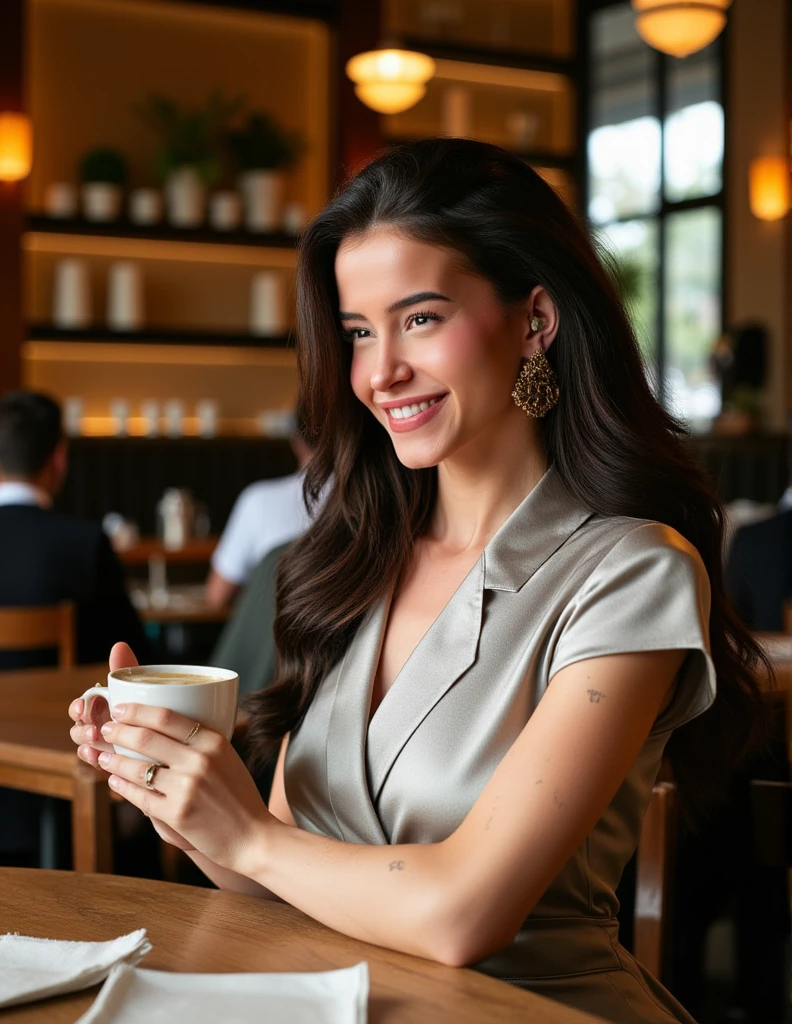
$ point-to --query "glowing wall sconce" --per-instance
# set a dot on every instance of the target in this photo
(16, 146)
(680, 27)
(390, 81)
(769, 187)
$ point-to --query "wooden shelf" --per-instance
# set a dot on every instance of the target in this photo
(500, 58)
(158, 232)
(45, 332)
(195, 550)
(535, 157)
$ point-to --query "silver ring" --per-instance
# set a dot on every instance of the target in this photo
(193, 732)
(151, 774)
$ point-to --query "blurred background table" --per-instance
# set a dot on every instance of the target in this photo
(37, 755)
(201, 930)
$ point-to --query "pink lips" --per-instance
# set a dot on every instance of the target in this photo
(419, 420)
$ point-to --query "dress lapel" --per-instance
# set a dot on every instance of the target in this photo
(444, 653)
(347, 733)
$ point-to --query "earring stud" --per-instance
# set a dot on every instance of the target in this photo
(537, 323)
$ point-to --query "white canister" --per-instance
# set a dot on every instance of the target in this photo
(267, 304)
(225, 211)
(119, 410)
(185, 197)
(145, 206)
(71, 302)
(174, 417)
(60, 200)
(293, 219)
(72, 416)
(207, 414)
(101, 201)
(456, 111)
(124, 297)
(262, 193)
(150, 412)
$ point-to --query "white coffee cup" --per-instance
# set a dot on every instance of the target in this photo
(213, 704)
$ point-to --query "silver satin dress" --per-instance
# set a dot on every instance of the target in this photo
(554, 586)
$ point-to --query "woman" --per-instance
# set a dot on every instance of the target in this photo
(511, 509)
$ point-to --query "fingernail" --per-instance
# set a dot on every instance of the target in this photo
(82, 751)
(113, 782)
(118, 712)
(104, 758)
(107, 728)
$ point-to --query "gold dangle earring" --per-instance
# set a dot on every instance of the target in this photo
(536, 389)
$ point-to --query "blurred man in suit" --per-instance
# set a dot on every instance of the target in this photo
(48, 557)
(759, 570)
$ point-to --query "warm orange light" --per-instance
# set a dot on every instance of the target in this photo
(680, 27)
(16, 146)
(769, 187)
(390, 81)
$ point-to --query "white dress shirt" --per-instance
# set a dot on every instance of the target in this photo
(16, 492)
(266, 514)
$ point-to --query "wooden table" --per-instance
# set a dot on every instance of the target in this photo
(202, 930)
(38, 756)
(186, 603)
(196, 550)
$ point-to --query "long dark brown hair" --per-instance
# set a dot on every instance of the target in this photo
(613, 445)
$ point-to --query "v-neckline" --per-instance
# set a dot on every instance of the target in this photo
(384, 610)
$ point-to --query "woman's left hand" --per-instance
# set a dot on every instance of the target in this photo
(202, 790)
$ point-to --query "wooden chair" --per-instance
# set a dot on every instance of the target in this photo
(36, 628)
(654, 882)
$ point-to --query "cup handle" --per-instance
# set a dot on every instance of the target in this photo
(89, 696)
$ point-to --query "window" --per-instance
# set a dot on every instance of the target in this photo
(655, 180)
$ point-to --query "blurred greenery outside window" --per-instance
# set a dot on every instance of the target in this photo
(655, 159)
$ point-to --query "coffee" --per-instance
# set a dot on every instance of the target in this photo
(163, 678)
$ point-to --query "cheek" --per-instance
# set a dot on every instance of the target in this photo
(360, 378)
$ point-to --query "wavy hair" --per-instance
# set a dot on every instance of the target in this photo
(613, 445)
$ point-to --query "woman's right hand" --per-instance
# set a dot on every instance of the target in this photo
(88, 736)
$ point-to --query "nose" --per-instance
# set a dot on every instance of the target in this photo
(389, 369)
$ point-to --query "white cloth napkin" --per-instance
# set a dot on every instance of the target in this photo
(134, 996)
(33, 969)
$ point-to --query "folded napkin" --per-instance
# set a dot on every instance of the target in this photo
(134, 996)
(33, 969)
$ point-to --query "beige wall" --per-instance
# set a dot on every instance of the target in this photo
(757, 269)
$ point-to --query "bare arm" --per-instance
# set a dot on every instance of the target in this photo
(462, 899)
(219, 592)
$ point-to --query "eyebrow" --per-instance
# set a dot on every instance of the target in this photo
(410, 300)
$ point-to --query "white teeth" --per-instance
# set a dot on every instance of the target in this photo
(411, 410)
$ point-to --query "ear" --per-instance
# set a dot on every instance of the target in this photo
(539, 307)
(60, 460)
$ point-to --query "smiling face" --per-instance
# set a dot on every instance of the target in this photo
(435, 355)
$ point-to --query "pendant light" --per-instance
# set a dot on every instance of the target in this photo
(680, 27)
(390, 80)
(16, 146)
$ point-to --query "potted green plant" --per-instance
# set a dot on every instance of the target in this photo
(103, 174)
(189, 157)
(262, 150)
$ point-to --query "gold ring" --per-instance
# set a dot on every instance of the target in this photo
(151, 774)
(193, 732)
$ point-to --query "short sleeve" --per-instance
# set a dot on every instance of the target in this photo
(650, 592)
(234, 556)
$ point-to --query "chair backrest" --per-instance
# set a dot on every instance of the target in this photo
(654, 881)
(33, 629)
(771, 812)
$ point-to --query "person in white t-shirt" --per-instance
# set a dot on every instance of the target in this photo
(266, 514)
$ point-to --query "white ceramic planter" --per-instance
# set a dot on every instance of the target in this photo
(185, 198)
(101, 201)
(124, 297)
(71, 300)
(60, 199)
(262, 198)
